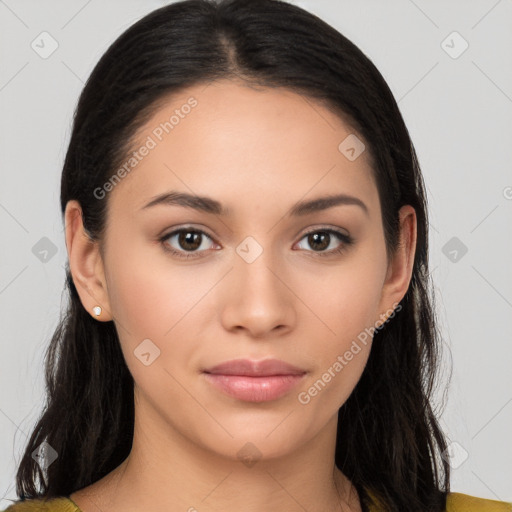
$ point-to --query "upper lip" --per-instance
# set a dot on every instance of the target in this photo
(267, 367)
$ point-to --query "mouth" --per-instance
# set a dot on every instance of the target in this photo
(254, 381)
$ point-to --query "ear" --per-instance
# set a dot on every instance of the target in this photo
(400, 268)
(86, 264)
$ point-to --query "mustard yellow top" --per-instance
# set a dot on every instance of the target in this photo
(456, 502)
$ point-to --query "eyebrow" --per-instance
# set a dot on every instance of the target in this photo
(212, 206)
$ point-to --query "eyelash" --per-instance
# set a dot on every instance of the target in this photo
(346, 240)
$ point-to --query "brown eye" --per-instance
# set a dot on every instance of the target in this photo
(321, 239)
(186, 240)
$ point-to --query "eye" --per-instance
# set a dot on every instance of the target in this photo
(190, 242)
(186, 240)
(322, 239)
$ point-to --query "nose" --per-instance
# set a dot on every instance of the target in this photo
(257, 298)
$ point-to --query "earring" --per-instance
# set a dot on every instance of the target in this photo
(97, 310)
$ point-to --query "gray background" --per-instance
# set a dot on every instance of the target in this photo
(458, 108)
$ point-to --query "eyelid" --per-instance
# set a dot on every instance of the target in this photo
(187, 227)
(324, 227)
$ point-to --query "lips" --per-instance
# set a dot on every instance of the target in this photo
(267, 367)
(254, 381)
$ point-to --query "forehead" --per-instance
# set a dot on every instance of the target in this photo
(238, 143)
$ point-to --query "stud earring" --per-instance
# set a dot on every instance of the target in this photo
(97, 310)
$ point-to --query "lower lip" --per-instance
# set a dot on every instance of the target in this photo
(254, 389)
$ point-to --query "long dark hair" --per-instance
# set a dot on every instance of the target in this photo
(389, 442)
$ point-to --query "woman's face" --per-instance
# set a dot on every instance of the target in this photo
(264, 279)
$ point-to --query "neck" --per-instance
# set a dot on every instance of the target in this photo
(167, 471)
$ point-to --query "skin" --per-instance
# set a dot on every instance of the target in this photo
(258, 152)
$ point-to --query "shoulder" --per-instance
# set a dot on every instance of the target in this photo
(457, 502)
(61, 504)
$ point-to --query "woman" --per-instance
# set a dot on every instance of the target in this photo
(250, 325)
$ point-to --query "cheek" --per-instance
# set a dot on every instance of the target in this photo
(153, 308)
(149, 296)
(148, 303)
(345, 310)
(345, 302)
(339, 355)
